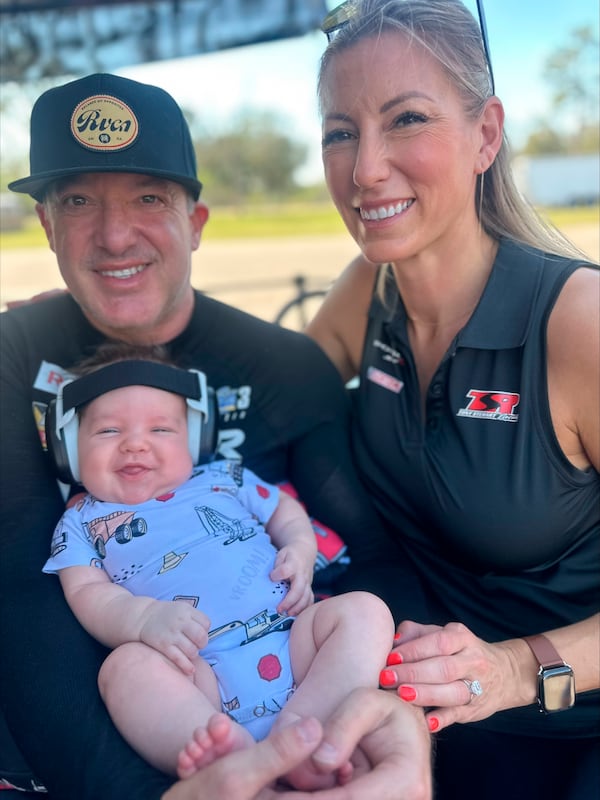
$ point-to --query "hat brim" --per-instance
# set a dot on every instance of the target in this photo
(36, 185)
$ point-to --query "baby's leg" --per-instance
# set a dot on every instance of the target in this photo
(336, 645)
(154, 705)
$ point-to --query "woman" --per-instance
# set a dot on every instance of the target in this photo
(474, 330)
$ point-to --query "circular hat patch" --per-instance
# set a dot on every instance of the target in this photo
(102, 122)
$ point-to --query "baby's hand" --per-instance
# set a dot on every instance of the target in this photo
(177, 630)
(295, 565)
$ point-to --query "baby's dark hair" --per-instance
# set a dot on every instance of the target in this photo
(112, 352)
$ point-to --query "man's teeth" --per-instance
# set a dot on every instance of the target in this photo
(123, 273)
(383, 213)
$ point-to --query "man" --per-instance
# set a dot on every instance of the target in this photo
(114, 175)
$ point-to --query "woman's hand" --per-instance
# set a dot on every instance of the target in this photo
(455, 675)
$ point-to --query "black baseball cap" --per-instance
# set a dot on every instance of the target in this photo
(105, 123)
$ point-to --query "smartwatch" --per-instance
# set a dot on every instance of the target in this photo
(556, 681)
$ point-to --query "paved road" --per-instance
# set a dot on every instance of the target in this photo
(253, 274)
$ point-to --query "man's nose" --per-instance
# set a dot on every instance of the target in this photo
(115, 229)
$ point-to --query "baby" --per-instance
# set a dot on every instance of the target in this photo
(198, 577)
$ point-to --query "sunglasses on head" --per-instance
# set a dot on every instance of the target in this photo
(341, 15)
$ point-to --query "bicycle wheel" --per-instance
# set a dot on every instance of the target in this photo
(298, 312)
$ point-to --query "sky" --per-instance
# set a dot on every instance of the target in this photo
(281, 76)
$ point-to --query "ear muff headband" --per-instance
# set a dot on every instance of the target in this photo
(62, 420)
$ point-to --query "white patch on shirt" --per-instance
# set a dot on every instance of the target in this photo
(50, 377)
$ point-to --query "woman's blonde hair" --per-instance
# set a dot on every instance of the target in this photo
(448, 30)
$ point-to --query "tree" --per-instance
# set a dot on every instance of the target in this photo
(252, 159)
(572, 72)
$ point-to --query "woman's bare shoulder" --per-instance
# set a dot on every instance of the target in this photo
(340, 324)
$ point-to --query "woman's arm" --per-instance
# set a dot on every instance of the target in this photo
(340, 324)
(574, 368)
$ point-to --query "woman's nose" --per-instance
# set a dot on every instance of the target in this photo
(372, 162)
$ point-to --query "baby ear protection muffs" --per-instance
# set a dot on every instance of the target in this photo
(62, 417)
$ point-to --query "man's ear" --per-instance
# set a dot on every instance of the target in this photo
(491, 130)
(198, 218)
(40, 210)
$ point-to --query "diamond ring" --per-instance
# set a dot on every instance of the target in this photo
(474, 687)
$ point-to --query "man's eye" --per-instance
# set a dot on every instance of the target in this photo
(149, 199)
(74, 200)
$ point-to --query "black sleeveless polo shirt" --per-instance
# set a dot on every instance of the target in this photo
(502, 531)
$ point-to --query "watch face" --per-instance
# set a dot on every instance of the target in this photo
(557, 688)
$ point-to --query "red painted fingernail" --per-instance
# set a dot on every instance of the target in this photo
(387, 677)
(407, 693)
(397, 636)
(393, 658)
(433, 723)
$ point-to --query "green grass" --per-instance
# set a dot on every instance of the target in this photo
(273, 221)
(580, 215)
(291, 219)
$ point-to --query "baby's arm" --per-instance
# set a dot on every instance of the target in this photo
(114, 616)
(293, 535)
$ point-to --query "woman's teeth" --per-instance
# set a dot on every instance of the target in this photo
(384, 212)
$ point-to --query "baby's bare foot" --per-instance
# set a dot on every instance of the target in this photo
(220, 736)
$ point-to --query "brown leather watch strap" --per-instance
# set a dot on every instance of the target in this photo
(543, 650)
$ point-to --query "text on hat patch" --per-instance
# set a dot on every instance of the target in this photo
(102, 122)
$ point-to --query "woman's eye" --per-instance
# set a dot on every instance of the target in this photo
(409, 118)
(334, 137)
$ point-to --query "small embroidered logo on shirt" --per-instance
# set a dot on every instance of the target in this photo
(384, 380)
(494, 405)
(388, 353)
